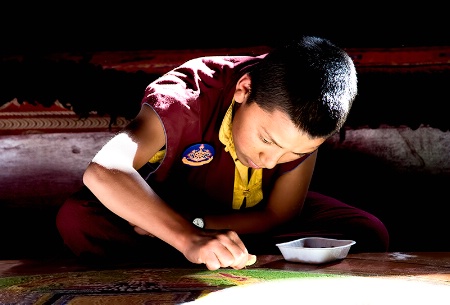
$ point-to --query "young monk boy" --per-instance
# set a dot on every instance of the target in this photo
(217, 164)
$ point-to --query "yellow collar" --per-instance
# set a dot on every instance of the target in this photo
(243, 188)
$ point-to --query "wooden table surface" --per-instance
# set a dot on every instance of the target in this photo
(430, 266)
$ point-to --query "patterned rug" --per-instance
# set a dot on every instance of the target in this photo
(132, 286)
(26, 118)
(177, 286)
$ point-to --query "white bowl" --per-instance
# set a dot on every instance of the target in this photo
(315, 250)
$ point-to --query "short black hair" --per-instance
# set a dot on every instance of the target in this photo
(310, 79)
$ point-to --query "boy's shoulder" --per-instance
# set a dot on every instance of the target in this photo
(217, 62)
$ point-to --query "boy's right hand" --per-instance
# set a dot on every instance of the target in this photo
(218, 249)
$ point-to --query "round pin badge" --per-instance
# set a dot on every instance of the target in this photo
(198, 154)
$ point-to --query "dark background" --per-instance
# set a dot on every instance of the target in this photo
(77, 27)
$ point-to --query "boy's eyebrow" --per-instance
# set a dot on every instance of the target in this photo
(276, 143)
(270, 138)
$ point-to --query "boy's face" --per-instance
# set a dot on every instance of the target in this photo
(264, 139)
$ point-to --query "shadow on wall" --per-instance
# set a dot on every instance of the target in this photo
(399, 174)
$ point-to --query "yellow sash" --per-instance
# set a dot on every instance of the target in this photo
(243, 188)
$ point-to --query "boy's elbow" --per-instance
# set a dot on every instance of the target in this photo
(93, 173)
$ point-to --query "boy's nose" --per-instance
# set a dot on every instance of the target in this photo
(270, 160)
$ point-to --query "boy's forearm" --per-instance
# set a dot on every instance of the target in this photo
(129, 196)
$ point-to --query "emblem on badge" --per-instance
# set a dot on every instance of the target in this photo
(198, 154)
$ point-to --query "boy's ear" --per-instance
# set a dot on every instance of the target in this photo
(243, 87)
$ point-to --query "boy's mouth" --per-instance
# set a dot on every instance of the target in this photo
(252, 164)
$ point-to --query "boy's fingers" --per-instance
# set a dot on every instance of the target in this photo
(251, 260)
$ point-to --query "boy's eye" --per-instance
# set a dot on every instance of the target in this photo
(266, 141)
